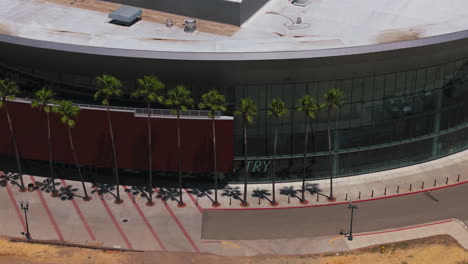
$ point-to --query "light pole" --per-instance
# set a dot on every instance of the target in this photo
(350, 234)
(25, 209)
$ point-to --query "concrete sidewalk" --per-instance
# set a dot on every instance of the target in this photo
(425, 176)
(165, 227)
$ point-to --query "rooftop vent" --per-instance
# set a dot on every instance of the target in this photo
(126, 15)
(169, 22)
(190, 25)
(302, 3)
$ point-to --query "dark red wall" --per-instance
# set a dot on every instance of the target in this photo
(92, 140)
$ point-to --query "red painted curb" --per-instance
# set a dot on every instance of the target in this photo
(80, 214)
(179, 224)
(49, 213)
(211, 242)
(114, 221)
(145, 220)
(341, 203)
(404, 228)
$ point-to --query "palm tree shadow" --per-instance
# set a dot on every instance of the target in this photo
(136, 191)
(68, 193)
(290, 192)
(201, 193)
(9, 177)
(262, 194)
(232, 193)
(168, 194)
(313, 188)
(103, 188)
(46, 185)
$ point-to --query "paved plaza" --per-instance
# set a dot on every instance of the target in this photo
(164, 226)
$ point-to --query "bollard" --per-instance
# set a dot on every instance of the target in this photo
(435, 182)
(229, 200)
(422, 185)
(258, 200)
(372, 195)
(359, 196)
(133, 198)
(317, 197)
(346, 199)
(410, 187)
(196, 201)
(446, 180)
(458, 179)
(398, 189)
(289, 199)
(385, 191)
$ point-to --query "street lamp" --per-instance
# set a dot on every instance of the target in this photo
(350, 234)
(25, 209)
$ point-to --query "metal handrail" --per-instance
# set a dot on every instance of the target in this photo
(141, 111)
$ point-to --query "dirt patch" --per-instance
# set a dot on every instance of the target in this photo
(433, 250)
(399, 35)
(150, 15)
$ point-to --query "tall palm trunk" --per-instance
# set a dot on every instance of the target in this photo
(181, 202)
(13, 136)
(274, 166)
(87, 198)
(49, 140)
(117, 182)
(215, 162)
(306, 142)
(150, 150)
(245, 163)
(330, 155)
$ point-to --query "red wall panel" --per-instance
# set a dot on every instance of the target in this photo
(93, 145)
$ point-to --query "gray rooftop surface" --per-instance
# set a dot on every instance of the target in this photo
(326, 24)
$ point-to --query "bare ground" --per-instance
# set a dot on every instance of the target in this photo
(434, 250)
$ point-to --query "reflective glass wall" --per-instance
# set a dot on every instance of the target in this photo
(387, 121)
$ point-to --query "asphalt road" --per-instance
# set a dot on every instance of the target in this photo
(373, 215)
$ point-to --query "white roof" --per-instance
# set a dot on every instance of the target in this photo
(325, 24)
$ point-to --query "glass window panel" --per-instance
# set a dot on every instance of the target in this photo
(389, 85)
(379, 86)
(400, 84)
(420, 80)
(358, 84)
(368, 88)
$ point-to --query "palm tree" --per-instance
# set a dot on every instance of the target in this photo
(67, 111)
(110, 88)
(215, 102)
(179, 99)
(277, 110)
(8, 91)
(246, 110)
(43, 101)
(149, 88)
(310, 108)
(333, 99)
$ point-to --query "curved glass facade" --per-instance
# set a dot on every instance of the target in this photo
(387, 121)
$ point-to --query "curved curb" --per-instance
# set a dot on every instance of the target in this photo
(340, 203)
(235, 56)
